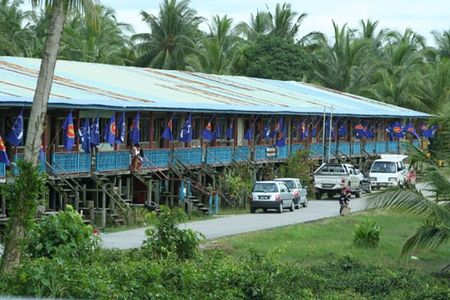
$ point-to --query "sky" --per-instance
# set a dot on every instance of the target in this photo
(422, 16)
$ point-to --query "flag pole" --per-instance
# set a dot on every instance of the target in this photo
(329, 137)
(323, 134)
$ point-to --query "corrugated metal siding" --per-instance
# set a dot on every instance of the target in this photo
(91, 85)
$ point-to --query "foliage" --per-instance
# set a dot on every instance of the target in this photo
(136, 216)
(366, 234)
(298, 166)
(237, 183)
(165, 239)
(64, 234)
(119, 275)
(27, 190)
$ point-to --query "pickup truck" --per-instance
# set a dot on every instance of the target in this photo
(331, 178)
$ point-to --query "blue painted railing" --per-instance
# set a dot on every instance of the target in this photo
(344, 147)
(219, 155)
(356, 150)
(2, 170)
(260, 153)
(70, 162)
(241, 153)
(156, 158)
(112, 161)
(316, 150)
(282, 152)
(392, 147)
(189, 156)
(20, 156)
(296, 147)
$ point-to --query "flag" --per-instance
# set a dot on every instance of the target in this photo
(428, 132)
(303, 130)
(135, 134)
(121, 128)
(207, 131)
(314, 129)
(110, 130)
(69, 132)
(360, 131)
(15, 137)
(186, 130)
(280, 136)
(217, 134)
(94, 138)
(229, 134)
(248, 135)
(266, 130)
(42, 154)
(397, 130)
(168, 131)
(370, 132)
(409, 128)
(3, 155)
(342, 131)
(84, 132)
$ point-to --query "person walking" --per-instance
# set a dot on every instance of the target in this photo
(344, 200)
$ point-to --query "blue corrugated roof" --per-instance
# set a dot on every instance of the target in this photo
(101, 86)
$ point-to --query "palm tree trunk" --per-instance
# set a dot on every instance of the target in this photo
(44, 83)
(17, 226)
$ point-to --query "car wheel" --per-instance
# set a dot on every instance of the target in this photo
(280, 209)
(330, 195)
(252, 210)
(265, 210)
(305, 204)
(292, 206)
(318, 195)
(358, 193)
(370, 189)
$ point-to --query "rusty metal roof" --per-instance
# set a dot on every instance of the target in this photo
(89, 85)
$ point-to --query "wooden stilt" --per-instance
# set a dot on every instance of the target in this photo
(103, 222)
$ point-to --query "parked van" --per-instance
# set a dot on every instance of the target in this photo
(390, 170)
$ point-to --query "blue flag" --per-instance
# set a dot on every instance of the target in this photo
(266, 130)
(3, 155)
(207, 132)
(135, 134)
(217, 134)
(121, 129)
(428, 132)
(69, 132)
(397, 130)
(167, 133)
(360, 131)
(84, 132)
(342, 131)
(186, 130)
(94, 139)
(229, 134)
(110, 131)
(280, 135)
(409, 128)
(15, 137)
(303, 130)
(42, 155)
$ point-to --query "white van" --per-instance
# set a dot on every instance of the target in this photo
(390, 170)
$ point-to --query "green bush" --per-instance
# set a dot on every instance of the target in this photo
(63, 233)
(164, 238)
(366, 234)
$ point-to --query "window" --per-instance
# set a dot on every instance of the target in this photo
(145, 130)
(383, 167)
(265, 188)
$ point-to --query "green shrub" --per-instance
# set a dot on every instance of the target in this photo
(63, 233)
(164, 238)
(366, 234)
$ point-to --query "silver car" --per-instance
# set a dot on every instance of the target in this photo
(295, 186)
(271, 195)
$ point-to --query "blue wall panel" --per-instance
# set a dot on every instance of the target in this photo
(381, 147)
(189, 156)
(241, 153)
(356, 151)
(393, 147)
(113, 161)
(344, 147)
(296, 147)
(220, 155)
(156, 158)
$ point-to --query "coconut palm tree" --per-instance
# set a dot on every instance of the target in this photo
(14, 28)
(104, 44)
(58, 12)
(217, 49)
(435, 230)
(340, 65)
(172, 37)
(443, 42)
(285, 23)
(260, 24)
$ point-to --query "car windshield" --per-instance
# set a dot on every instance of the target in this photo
(265, 188)
(290, 184)
(332, 169)
(383, 167)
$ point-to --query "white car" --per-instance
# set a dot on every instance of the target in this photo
(299, 191)
(271, 195)
(332, 178)
(388, 171)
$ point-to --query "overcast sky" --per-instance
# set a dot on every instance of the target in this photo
(422, 16)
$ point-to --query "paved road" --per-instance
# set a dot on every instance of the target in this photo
(236, 224)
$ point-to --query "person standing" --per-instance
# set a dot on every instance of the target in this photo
(135, 157)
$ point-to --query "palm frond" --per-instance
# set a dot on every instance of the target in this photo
(430, 235)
